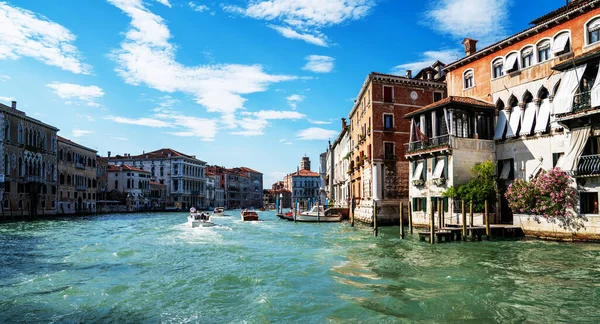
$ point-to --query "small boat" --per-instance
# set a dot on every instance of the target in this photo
(319, 214)
(249, 215)
(262, 209)
(196, 219)
(218, 211)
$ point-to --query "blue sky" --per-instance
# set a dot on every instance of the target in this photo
(257, 83)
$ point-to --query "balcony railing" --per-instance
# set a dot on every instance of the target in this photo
(81, 188)
(79, 166)
(32, 178)
(582, 101)
(427, 144)
(588, 165)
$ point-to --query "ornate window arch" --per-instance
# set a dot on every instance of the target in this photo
(527, 59)
(592, 31)
(468, 79)
(497, 67)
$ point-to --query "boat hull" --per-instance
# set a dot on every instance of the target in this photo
(199, 223)
(249, 216)
(315, 219)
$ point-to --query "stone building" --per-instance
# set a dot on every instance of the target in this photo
(184, 175)
(337, 176)
(544, 85)
(158, 195)
(77, 179)
(304, 184)
(378, 169)
(132, 183)
(28, 153)
(242, 187)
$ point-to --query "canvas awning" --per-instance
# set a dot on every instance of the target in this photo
(418, 174)
(500, 125)
(543, 117)
(506, 167)
(439, 169)
(577, 140)
(511, 63)
(560, 43)
(560, 161)
(528, 119)
(563, 99)
(514, 123)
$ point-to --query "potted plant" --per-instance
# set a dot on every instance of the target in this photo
(438, 181)
(418, 183)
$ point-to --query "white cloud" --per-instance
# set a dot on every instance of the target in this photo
(427, 59)
(26, 34)
(120, 138)
(198, 7)
(319, 122)
(294, 99)
(81, 132)
(274, 114)
(288, 143)
(282, 140)
(255, 122)
(287, 32)
(319, 63)
(303, 19)
(149, 122)
(484, 20)
(315, 133)
(4, 78)
(7, 99)
(147, 57)
(87, 117)
(272, 177)
(164, 2)
(70, 91)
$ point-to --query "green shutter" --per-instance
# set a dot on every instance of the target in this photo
(414, 204)
(433, 163)
(445, 204)
(424, 204)
(446, 167)
(425, 170)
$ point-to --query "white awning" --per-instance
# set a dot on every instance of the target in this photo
(543, 45)
(439, 169)
(500, 125)
(577, 140)
(595, 93)
(505, 170)
(563, 99)
(594, 25)
(560, 43)
(515, 121)
(526, 52)
(511, 63)
(543, 116)
(418, 174)
(528, 119)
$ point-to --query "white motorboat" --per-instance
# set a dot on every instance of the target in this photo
(218, 211)
(196, 219)
(319, 214)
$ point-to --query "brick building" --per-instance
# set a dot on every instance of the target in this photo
(378, 169)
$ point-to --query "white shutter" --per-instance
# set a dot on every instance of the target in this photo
(543, 116)
(418, 174)
(563, 99)
(515, 121)
(511, 63)
(595, 93)
(560, 43)
(505, 170)
(594, 25)
(500, 125)
(439, 169)
(528, 119)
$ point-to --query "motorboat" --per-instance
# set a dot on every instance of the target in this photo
(319, 214)
(249, 215)
(199, 219)
(218, 211)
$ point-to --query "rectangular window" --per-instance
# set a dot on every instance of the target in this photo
(389, 151)
(588, 203)
(505, 169)
(437, 96)
(6, 186)
(388, 94)
(468, 81)
(419, 204)
(388, 121)
(498, 70)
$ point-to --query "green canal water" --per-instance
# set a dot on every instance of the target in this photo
(153, 268)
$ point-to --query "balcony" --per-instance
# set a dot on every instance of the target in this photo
(588, 165)
(81, 188)
(33, 148)
(79, 166)
(195, 192)
(431, 143)
(582, 101)
(32, 178)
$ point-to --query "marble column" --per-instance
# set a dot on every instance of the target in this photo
(376, 181)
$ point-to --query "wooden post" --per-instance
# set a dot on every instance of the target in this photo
(410, 225)
(432, 224)
(464, 221)
(471, 213)
(375, 230)
(439, 210)
(401, 220)
(488, 234)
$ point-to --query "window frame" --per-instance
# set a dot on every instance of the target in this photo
(530, 56)
(497, 63)
(588, 34)
(392, 94)
(468, 74)
(384, 119)
(569, 42)
(385, 156)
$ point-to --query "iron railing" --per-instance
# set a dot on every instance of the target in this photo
(582, 101)
(588, 165)
(427, 144)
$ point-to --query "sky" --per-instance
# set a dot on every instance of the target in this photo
(256, 83)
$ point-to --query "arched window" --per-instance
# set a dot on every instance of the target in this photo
(20, 134)
(593, 31)
(512, 63)
(62, 179)
(468, 79)
(21, 167)
(116, 184)
(7, 129)
(527, 97)
(162, 171)
(543, 94)
(527, 57)
(543, 50)
(561, 44)
(498, 68)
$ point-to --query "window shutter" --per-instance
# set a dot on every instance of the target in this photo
(414, 204)
(433, 163)
(445, 204)
(446, 167)
(425, 170)
(424, 204)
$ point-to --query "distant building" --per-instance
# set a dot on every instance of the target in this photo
(304, 184)
(28, 153)
(158, 195)
(132, 183)
(242, 187)
(77, 180)
(337, 177)
(278, 191)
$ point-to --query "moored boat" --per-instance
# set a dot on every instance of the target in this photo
(218, 211)
(319, 214)
(249, 215)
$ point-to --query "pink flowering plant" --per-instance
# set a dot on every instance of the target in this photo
(550, 195)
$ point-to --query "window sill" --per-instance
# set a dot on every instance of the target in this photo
(588, 47)
(469, 88)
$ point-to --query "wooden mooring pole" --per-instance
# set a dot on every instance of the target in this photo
(464, 221)
(410, 226)
(439, 210)
(471, 213)
(488, 234)
(375, 230)
(401, 220)
(432, 224)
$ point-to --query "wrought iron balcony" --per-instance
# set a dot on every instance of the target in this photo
(582, 101)
(588, 165)
(427, 144)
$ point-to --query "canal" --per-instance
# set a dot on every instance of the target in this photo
(132, 268)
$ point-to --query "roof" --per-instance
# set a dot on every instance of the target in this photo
(163, 153)
(22, 114)
(465, 101)
(304, 173)
(249, 170)
(64, 140)
(117, 168)
(154, 183)
(578, 7)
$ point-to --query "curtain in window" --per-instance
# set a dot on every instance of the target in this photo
(578, 139)
(560, 43)
(501, 125)
(506, 167)
(526, 52)
(563, 99)
(515, 121)
(544, 45)
(595, 92)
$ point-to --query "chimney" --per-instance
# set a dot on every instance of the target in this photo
(343, 123)
(409, 74)
(109, 155)
(470, 46)
(13, 104)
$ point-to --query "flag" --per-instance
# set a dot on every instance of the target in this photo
(419, 134)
